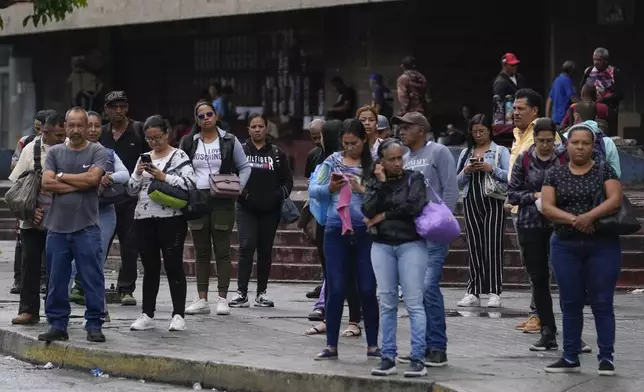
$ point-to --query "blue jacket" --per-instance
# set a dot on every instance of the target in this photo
(499, 172)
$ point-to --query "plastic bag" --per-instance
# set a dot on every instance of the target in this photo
(22, 197)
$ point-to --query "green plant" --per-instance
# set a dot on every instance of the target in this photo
(45, 10)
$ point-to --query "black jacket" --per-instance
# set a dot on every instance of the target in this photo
(189, 145)
(271, 179)
(401, 200)
(504, 86)
(313, 159)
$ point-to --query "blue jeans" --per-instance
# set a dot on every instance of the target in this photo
(586, 266)
(436, 335)
(405, 264)
(85, 247)
(342, 253)
(107, 224)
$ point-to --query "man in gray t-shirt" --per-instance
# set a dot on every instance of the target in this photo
(72, 173)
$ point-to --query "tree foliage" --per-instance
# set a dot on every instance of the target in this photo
(45, 10)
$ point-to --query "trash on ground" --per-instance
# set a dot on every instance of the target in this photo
(96, 372)
(637, 291)
(196, 387)
(48, 365)
(9, 357)
(142, 381)
(104, 375)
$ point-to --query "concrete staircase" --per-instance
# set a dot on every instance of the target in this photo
(294, 259)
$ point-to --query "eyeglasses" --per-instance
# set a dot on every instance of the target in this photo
(203, 116)
(545, 141)
(154, 139)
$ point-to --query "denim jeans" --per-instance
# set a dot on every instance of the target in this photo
(404, 264)
(85, 247)
(435, 335)
(319, 304)
(107, 224)
(587, 266)
(343, 252)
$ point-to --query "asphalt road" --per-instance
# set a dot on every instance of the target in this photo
(20, 376)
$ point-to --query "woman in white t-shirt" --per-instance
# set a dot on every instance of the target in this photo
(213, 151)
(161, 229)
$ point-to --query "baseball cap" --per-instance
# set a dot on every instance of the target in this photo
(115, 96)
(510, 59)
(383, 123)
(412, 118)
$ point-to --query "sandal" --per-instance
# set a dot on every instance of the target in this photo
(351, 332)
(317, 330)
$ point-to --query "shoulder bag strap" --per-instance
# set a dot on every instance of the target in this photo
(37, 156)
(167, 165)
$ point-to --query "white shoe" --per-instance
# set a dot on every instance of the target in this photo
(494, 301)
(200, 306)
(177, 323)
(143, 323)
(470, 300)
(222, 307)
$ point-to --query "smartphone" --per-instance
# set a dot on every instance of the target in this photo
(145, 158)
(337, 176)
(476, 160)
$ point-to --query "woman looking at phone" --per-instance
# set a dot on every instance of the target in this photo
(484, 215)
(347, 244)
(160, 229)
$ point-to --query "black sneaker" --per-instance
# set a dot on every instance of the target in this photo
(416, 369)
(53, 335)
(436, 359)
(240, 300)
(315, 293)
(547, 341)
(563, 366)
(262, 301)
(606, 368)
(403, 358)
(585, 348)
(15, 288)
(317, 315)
(95, 336)
(386, 367)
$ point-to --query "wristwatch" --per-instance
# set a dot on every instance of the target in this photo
(59, 175)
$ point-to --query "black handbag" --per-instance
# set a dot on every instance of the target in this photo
(113, 194)
(167, 195)
(622, 222)
(197, 206)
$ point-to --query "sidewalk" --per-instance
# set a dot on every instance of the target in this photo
(259, 350)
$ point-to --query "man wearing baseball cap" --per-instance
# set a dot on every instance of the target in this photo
(436, 162)
(508, 81)
(383, 128)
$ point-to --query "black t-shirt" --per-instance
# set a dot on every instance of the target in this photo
(383, 97)
(576, 194)
(347, 95)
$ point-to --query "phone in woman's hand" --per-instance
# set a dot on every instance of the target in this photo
(145, 158)
(337, 177)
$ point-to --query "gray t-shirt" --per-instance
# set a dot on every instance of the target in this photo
(74, 211)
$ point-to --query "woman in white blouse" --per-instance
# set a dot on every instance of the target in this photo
(161, 229)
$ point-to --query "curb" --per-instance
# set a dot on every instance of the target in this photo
(232, 378)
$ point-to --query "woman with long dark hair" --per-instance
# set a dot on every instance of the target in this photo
(213, 151)
(259, 209)
(483, 161)
(346, 241)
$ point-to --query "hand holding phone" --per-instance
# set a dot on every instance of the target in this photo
(145, 158)
(337, 182)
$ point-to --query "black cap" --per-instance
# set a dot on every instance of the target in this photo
(115, 96)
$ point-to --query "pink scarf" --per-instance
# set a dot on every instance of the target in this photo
(343, 209)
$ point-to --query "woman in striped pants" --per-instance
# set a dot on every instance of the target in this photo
(484, 215)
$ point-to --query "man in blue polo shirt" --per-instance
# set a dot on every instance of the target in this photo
(562, 94)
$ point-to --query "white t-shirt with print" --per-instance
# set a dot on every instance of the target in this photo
(207, 160)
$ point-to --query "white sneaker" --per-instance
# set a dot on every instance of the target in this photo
(143, 323)
(494, 301)
(470, 300)
(199, 306)
(177, 323)
(222, 307)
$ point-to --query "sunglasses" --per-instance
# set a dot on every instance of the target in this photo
(206, 115)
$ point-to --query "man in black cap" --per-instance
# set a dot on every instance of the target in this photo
(125, 136)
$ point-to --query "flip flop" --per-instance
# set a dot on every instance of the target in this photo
(316, 330)
(349, 333)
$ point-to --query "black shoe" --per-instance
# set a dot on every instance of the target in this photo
(15, 289)
(43, 288)
(585, 348)
(317, 315)
(386, 367)
(547, 341)
(416, 369)
(240, 300)
(435, 359)
(53, 335)
(563, 366)
(96, 336)
(606, 368)
(315, 293)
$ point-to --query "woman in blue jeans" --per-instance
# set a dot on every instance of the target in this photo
(347, 245)
(394, 197)
(584, 260)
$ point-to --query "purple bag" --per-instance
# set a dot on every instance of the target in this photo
(437, 223)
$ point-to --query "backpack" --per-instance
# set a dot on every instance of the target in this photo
(22, 197)
(599, 148)
(526, 160)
